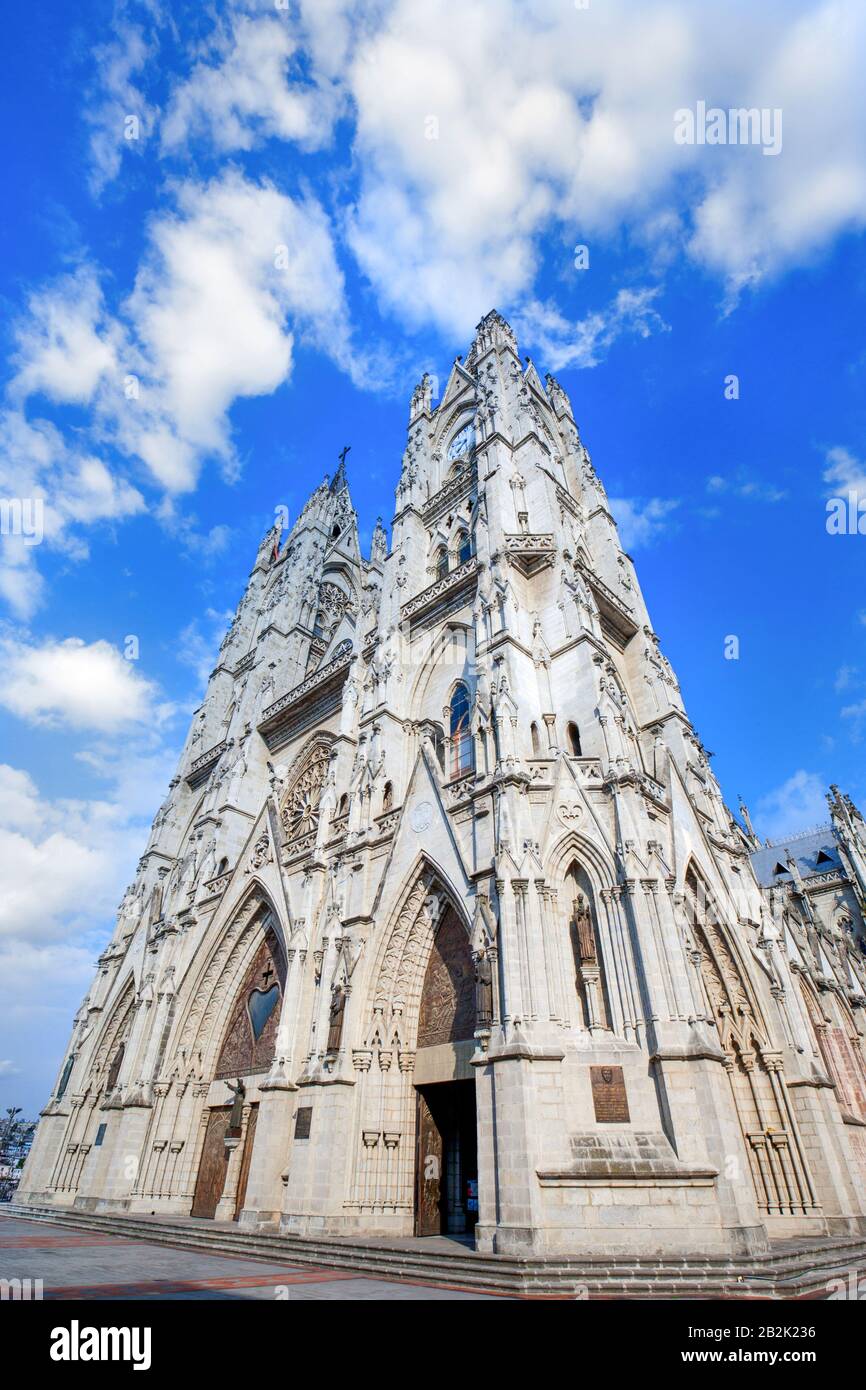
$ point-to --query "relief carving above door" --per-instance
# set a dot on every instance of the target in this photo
(251, 1036)
(448, 997)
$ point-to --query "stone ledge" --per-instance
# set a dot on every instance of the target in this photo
(646, 1176)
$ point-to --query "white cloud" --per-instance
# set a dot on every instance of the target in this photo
(19, 799)
(584, 343)
(546, 118)
(74, 684)
(640, 522)
(223, 280)
(798, 804)
(74, 490)
(136, 773)
(761, 215)
(118, 100)
(43, 876)
(66, 344)
(250, 91)
(64, 862)
(480, 128)
(199, 649)
(750, 489)
(856, 714)
(844, 472)
(229, 282)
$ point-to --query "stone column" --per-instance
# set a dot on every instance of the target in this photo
(225, 1210)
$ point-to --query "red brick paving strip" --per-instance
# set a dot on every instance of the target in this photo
(167, 1286)
(57, 1242)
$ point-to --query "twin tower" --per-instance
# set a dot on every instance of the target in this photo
(444, 925)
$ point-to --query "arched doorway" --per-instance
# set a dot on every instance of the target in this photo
(247, 1050)
(446, 1161)
(414, 1168)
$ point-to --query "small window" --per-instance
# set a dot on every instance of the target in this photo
(461, 736)
(780, 869)
(464, 547)
(441, 562)
(823, 858)
(574, 741)
(100, 1135)
(387, 797)
(114, 1069)
(439, 746)
(222, 867)
(64, 1080)
(335, 533)
(536, 743)
(343, 807)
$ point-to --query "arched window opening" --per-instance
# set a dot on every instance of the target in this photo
(464, 547)
(441, 562)
(536, 742)
(387, 797)
(779, 1173)
(114, 1069)
(222, 866)
(335, 533)
(461, 734)
(343, 808)
(574, 741)
(64, 1080)
(439, 746)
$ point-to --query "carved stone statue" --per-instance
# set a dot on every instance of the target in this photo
(585, 934)
(483, 992)
(335, 1017)
(239, 1092)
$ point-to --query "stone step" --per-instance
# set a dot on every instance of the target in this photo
(792, 1272)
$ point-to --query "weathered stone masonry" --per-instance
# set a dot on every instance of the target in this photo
(444, 923)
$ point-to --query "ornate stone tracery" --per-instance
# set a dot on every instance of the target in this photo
(782, 1182)
(300, 811)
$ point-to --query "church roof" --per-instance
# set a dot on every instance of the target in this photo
(814, 853)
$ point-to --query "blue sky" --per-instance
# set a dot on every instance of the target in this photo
(320, 201)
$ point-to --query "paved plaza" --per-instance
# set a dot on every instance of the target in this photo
(88, 1265)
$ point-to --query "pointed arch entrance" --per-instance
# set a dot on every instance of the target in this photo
(246, 1050)
(446, 1162)
(417, 1148)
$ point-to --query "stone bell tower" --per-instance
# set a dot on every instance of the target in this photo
(446, 883)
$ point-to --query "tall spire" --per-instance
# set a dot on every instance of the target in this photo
(339, 480)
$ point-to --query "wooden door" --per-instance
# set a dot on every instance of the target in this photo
(428, 1172)
(213, 1165)
(246, 1159)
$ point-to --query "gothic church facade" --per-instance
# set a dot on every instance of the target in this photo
(444, 925)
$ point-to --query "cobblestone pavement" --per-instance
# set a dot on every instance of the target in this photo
(87, 1265)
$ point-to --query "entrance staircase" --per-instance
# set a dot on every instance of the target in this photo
(792, 1269)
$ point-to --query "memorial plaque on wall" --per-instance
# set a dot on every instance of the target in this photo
(608, 1095)
(304, 1120)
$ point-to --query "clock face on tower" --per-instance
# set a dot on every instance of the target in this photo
(462, 443)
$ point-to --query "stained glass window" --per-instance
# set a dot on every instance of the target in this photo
(461, 735)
